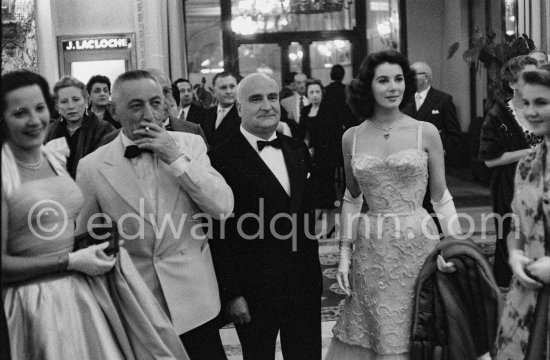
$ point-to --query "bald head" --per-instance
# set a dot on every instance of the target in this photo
(423, 75)
(250, 80)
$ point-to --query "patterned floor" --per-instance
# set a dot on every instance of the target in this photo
(471, 199)
(331, 301)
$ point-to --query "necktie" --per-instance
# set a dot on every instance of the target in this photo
(219, 119)
(133, 151)
(301, 103)
(276, 143)
(418, 101)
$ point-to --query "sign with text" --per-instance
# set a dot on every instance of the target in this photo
(97, 44)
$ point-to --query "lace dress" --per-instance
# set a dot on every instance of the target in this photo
(394, 239)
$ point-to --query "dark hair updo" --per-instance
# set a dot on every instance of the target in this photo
(359, 94)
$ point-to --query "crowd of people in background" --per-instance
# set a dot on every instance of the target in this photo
(144, 148)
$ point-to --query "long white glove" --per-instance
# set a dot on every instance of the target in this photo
(448, 219)
(91, 260)
(351, 210)
(446, 212)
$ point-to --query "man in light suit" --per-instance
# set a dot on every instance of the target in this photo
(183, 91)
(295, 103)
(148, 177)
(270, 279)
(436, 107)
(171, 122)
(222, 121)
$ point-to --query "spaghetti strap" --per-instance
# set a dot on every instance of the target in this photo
(420, 123)
(354, 141)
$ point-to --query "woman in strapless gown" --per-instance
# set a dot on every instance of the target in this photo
(58, 303)
(387, 161)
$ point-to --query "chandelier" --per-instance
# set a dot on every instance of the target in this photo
(253, 16)
(260, 16)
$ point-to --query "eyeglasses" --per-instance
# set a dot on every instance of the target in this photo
(421, 73)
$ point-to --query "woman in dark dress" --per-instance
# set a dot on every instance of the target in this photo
(320, 124)
(82, 129)
(505, 139)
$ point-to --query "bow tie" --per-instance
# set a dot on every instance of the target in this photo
(133, 151)
(276, 143)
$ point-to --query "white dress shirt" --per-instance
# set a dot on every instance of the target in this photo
(306, 103)
(145, 166)
(419, 97)
(272, 157)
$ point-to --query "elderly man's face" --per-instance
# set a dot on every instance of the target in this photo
(259, 108)
(170, 106)
(422, 76)
(137, 101)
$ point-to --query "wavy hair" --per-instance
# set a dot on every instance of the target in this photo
(359, 93)
(68, 81)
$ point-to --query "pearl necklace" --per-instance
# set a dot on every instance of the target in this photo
(30, 166)
(386, 131)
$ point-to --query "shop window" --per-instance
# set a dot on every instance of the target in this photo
(204, 40)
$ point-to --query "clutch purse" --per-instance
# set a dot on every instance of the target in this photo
(98, 236)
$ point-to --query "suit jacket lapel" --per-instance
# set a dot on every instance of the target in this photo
(228, 120)
(426, 106)
(168, 190)
(119, 173)
(210, 123)
(294, 166)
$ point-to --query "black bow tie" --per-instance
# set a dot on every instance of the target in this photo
(276, 143)
(133, 151)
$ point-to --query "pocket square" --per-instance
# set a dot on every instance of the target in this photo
(435, 111)
(308, 175)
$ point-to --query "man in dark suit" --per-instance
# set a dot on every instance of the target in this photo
(295, 103)
(222, 121)
(266, 255)
(183, 93)
(435, 107)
